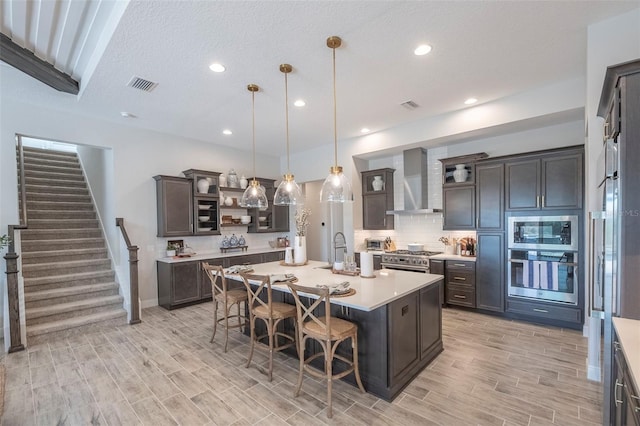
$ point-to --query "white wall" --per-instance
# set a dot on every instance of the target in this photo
(138, 155)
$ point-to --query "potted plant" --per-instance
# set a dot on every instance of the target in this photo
(171, 250)
(4, 241)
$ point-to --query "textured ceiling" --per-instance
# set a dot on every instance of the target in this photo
(487, 50)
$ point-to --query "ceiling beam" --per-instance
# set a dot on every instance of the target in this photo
(30, 64)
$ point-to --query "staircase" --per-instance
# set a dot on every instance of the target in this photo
(69, 284)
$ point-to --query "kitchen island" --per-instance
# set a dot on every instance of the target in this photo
(399, 318)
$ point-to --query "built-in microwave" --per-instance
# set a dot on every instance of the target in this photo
(374, 244)
(543, 232)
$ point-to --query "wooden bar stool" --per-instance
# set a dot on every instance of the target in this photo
(271, 313)
(329, 332)
(228, 298)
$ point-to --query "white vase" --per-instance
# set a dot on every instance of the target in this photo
(460, 174)
(203, 186)
(300, 249)
(243, 182)
(171, 253)
(222, 180)
(228, 201)
(378, 183)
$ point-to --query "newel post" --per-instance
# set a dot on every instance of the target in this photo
(14, 302)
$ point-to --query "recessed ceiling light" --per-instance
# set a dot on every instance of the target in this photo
(126, 114)
(365, 130)
(216, 67)
(423, 49)
(299, 103)
(227, 132)
(470, 101)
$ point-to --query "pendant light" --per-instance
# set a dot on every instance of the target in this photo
(336, 187)
(254, 196)
(288, 192)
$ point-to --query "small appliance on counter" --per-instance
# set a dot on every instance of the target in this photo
(374, 244)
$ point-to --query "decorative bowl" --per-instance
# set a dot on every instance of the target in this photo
(245, 219)
(262, 218)
(203, 218)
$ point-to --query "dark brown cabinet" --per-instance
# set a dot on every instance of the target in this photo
(436, 266)
(549, 181)
(459, 208)
(490, 197)
(377, 261)
(174, 206)
(377, 199)
(625, 404)
(460, 285)
(404, 335)
(547, 313)
(274, 218)
(490, 272)
(206, 201)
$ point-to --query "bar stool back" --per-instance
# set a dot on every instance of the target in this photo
(329, 332)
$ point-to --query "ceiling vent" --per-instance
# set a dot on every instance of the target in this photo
(141, 84)
(409, 104)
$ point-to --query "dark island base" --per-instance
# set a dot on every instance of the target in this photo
(395, 341)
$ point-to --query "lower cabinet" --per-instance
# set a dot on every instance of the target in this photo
(461, 283)
(436, 266)
(185, 283)
(377, 261)
(548, 313)
(625, 407)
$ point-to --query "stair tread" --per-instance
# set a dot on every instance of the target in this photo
(71, 306)
(70, 277)
(63, 263)
(68, 291)
(69, 252)
(64, 324)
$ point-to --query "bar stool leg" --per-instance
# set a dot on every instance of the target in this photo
(354, 351)
(302, 343)
(252, 322)
(329, 373)
(215, 320)
(226, 325)
(270, 331)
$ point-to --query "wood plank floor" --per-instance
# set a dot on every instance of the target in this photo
(165, 372)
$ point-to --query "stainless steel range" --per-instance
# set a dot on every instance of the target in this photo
(408, 260)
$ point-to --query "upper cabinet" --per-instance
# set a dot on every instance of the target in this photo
(273, 218)
(549, 181)
(459, 191)
(490, 196)
(206, 201)
(174, 197)
(377, 199)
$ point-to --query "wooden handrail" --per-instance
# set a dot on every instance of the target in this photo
(133, 273)
(11, 259)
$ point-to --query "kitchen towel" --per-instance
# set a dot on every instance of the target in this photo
(276, 278)
(339, 288)
(366, 264)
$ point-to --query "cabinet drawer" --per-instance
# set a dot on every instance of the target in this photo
(461, 278)
(560, 313)
(460, 265)
(460, 295)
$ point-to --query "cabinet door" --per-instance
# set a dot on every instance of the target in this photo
(185, 282)
(490, 197)
(490, 272)
(404, 350)
(273, 256)
(436, 266)
(206, 290)
(174, 206)
(459, 208)
(523, 185)
(562, 182)
(281, 218)
(374, 211)
(430, 318)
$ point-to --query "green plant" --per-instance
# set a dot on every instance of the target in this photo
(4, 241)
(171, 246)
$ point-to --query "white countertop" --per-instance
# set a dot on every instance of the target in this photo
(444, 256)
(371, 293)
(628, 331)
(218, 254)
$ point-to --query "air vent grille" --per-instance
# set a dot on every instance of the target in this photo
(141, 84)
(409, 104)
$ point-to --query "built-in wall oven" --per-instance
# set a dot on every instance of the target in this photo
(543, 258)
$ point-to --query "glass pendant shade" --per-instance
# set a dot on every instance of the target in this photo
(336, 187)
(254, 197)
(288, 192)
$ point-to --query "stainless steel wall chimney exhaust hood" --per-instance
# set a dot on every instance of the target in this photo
(415, 183)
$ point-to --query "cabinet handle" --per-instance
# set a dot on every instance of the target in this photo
(460, 278)
(543, 201)
(637, 404)
(540, 310)
(462, 265)
(537, 201)
(616, 346)
(615, 392)
(436, 261)
(405, 310)
(477, 222)
(457, 296)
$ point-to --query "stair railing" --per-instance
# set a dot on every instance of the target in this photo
(133, 273)
(11, 258)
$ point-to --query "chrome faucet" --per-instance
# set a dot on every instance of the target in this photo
(339, 242)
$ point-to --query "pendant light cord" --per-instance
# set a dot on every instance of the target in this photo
(286, 111)
(253, 127)
(335, 114)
